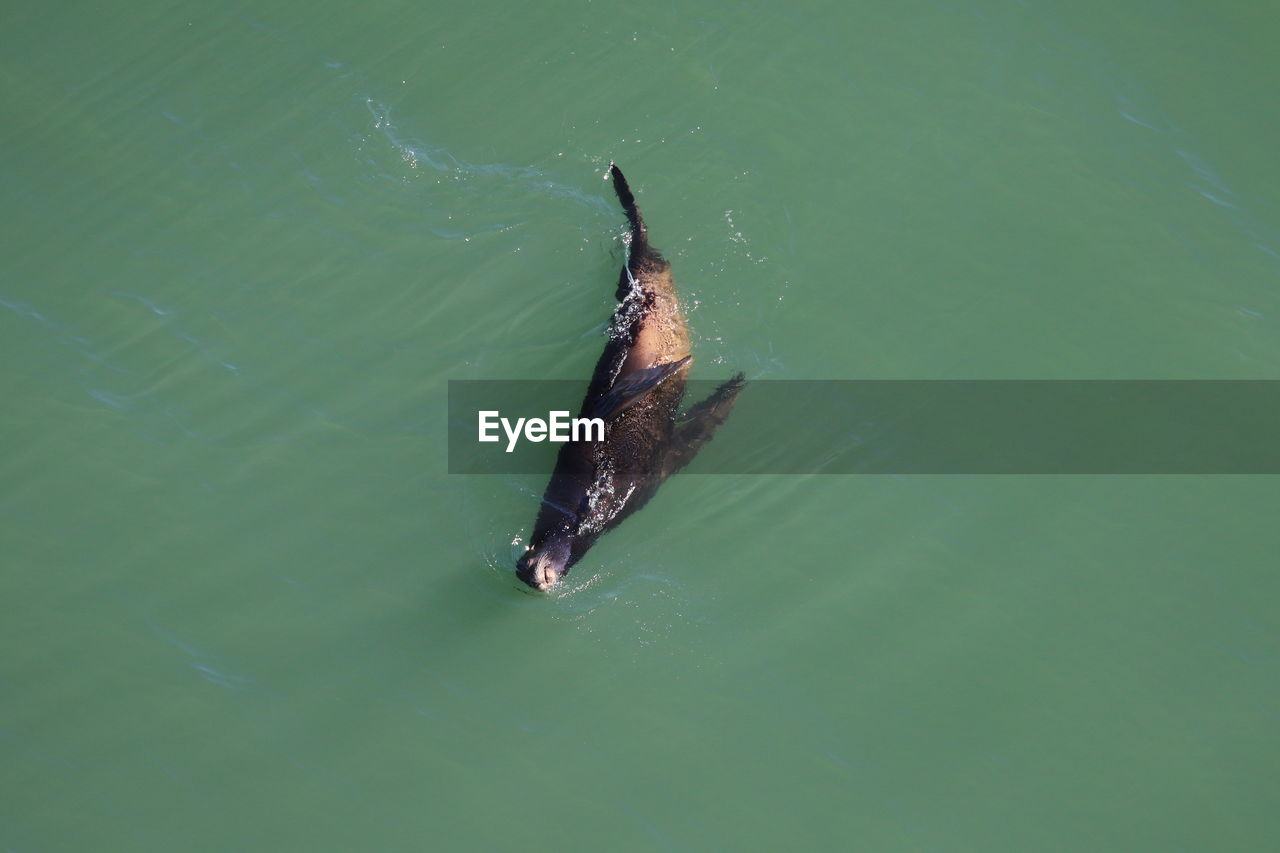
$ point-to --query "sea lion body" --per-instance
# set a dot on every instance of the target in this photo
(637, 386)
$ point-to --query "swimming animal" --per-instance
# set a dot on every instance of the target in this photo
(636, 389)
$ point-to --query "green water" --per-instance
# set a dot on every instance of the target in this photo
(245, 246)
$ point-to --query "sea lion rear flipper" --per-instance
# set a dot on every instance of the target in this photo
(699, 424)
(628, 391)
(639, 234)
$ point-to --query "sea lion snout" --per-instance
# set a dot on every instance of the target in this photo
(544, 577)
(542, 568)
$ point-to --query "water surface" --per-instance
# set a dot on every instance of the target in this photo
(245, 246)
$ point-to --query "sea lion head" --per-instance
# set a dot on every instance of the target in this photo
(543, 565)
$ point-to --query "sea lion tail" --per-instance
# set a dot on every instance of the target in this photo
(639, 234)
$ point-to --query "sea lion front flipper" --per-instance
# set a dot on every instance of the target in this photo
(630, 390)
(699, 424)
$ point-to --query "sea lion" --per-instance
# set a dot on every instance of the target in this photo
(636, 389)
